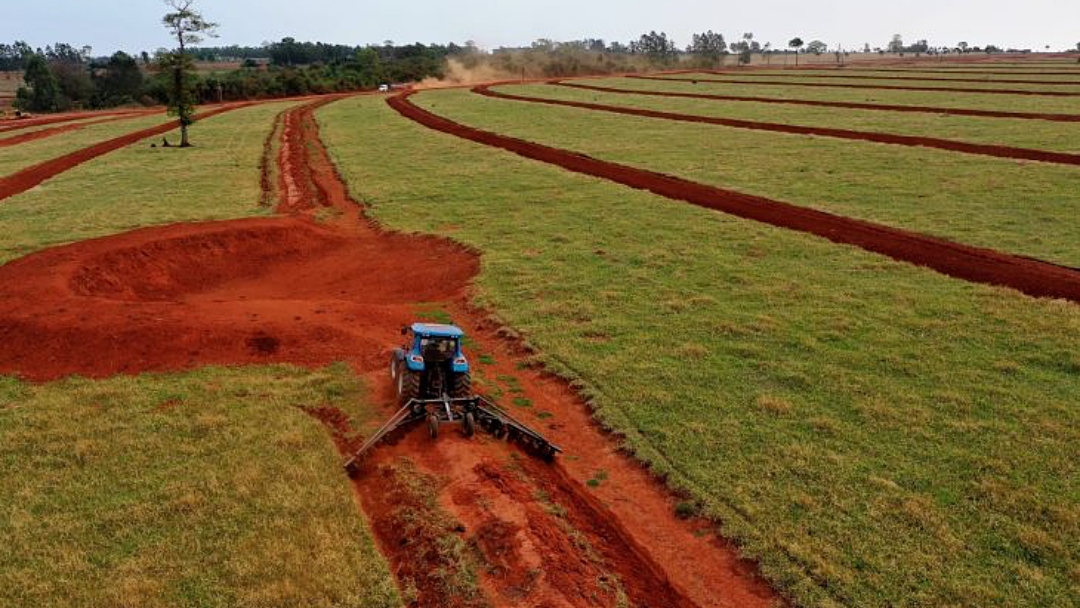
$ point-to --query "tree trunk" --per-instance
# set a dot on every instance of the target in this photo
(181, 106)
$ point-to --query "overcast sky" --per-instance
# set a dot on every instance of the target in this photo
(134, 25)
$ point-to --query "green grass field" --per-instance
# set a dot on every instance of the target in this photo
(912, 80)
(142, 186)
(926, 73)
(873, 433)
(211, 488)
(1036, 134)
(16, 158)
(979, 101)
(963, 197)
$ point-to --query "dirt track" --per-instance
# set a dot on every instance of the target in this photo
(26, 179)
(830, 104)
(884, 87)
(1030, 276)
(1063, 158)
(292, 289)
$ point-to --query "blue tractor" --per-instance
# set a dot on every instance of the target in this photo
(434, 386)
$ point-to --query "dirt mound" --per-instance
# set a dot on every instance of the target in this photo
(833, 104)
(1063, 158)
(186, 295)
(963, 261)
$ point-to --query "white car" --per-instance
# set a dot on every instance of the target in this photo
(384, 88)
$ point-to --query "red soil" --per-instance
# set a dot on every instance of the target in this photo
(832, 104)
(914, 77)
(20, 182)
(881, 138)
(1030, 276)
(292, 289)
(43, 133)
(887, 87)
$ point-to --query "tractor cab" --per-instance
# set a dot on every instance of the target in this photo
(430, 365)
(430, 344)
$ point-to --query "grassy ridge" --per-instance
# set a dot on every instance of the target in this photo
(910, 81)
(874, 433)
(204, 489)
(140, 186)
(1019, 207)
(1036, 134)
(1016, 103)
(15, 158)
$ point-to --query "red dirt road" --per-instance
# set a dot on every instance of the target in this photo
(886, 87)
(1063, 158)
(831, 104)
(997, 71)
(16, 124)
(292, 289)
(980, 265)
(20, 182)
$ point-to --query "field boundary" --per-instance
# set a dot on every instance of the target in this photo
(853, 105)
(950, 145)
(883, 87)
(1030, 276)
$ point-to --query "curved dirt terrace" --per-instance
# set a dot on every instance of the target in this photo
(881, 138)
(886, 87)
(828, 104)
(23, 180)
(294, 289)
(1032, 277)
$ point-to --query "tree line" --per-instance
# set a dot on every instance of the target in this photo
(63, 76)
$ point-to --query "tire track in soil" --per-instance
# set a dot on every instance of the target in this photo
(292, 289)
(23, 180)
(883, 87)
(1030, 276)
(1062, 158)
(831, 104)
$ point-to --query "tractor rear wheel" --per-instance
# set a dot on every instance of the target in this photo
(408, 384)
(462, 386)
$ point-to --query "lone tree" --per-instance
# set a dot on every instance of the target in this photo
(796, 43)
(188, 27)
